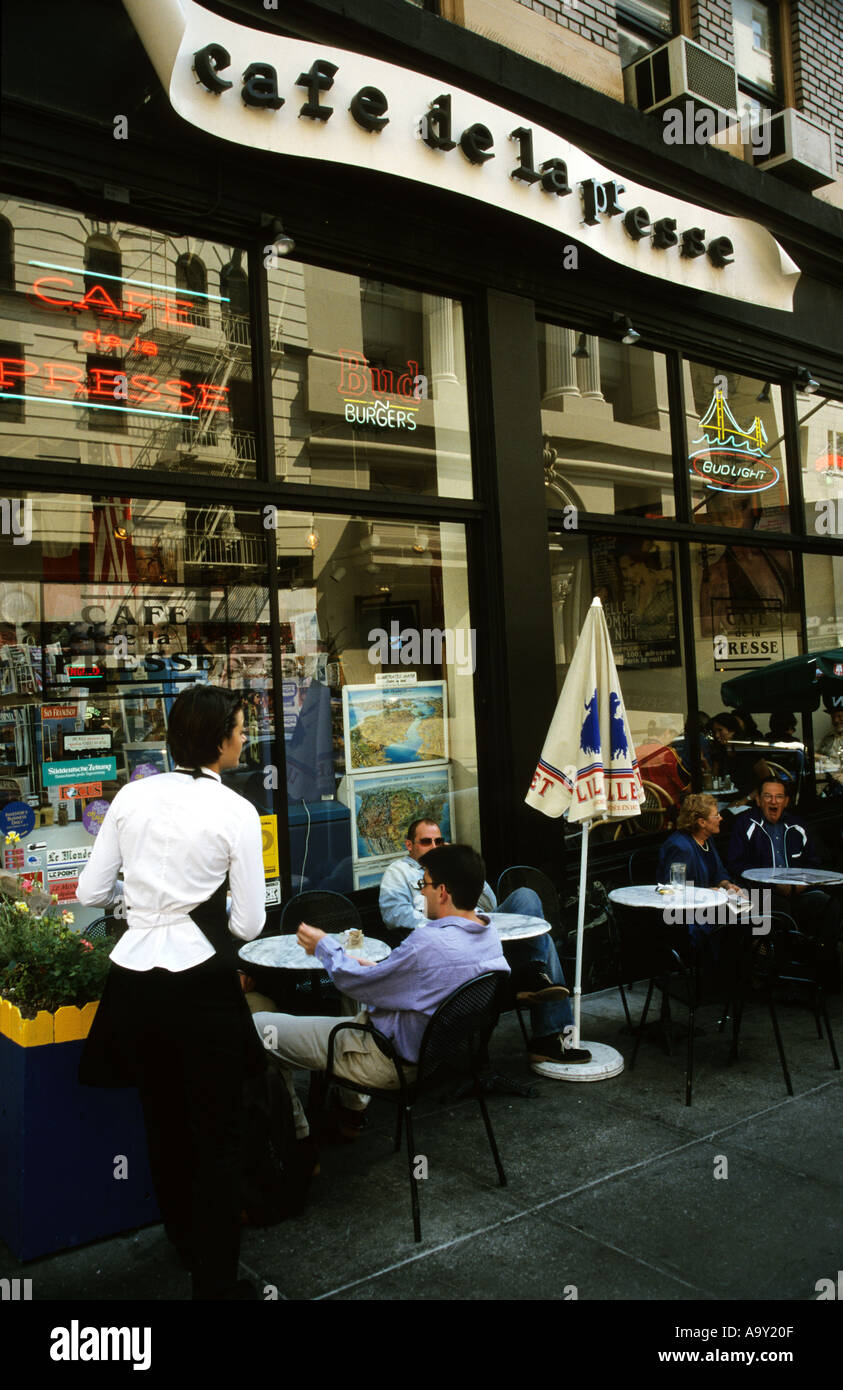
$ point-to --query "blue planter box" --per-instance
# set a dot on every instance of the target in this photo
(60, 1147)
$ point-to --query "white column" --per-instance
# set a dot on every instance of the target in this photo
(561, 368)
(589, 371)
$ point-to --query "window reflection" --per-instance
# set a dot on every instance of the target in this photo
(735, 430)
(369, 383)
(123, 356)
(377, 660)
(111, 607)
(606, 426)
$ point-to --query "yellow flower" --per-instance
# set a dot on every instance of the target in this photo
(67, 916)
(21, 907)
(12, 838)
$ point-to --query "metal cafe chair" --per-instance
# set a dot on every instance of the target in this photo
(332, 912)
(463, 1020)
(525, 876)
(787, 957)
(652, 949)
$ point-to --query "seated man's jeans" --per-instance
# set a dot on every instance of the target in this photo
(545, 1019)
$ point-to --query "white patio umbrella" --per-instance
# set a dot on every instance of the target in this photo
(588, 769)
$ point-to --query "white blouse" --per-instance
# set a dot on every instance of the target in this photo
(175, 839)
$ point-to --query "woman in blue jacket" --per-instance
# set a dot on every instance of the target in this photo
(697, 823)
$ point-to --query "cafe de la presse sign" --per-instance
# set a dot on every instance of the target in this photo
(291, 97)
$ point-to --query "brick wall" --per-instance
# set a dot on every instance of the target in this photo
(593, 19)
(817, 40)
(711, 25)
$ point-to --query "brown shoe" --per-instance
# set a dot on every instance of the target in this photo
(543, 990)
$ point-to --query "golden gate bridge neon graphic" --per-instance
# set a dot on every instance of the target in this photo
(727, 458)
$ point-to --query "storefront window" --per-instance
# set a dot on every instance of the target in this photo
(637, 583)
(606, 425)
(109, 607)
(735, 432)
(821, 456)
(369, 384)
(824, 605)
(118, 349)
(746, 619)
(377, 659)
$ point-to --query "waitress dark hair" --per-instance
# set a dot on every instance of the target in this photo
(202, 718)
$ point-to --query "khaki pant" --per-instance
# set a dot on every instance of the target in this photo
(303, 1042)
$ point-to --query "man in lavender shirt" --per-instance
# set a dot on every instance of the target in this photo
(401, 993)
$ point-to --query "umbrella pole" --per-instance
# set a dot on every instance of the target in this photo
(586, 826)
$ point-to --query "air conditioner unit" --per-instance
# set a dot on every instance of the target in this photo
(681, 71)
(787, 144)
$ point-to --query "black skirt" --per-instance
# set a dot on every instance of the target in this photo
(140, 1009)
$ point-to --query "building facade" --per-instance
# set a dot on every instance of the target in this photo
(347, 352)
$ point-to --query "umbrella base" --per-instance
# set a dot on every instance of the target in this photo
(605, 1062)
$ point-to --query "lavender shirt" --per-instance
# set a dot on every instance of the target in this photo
(403, 991)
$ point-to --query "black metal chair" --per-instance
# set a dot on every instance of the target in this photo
(788, 957)
(97, 931)
(643, 864)
(332, 912)
(319, 908)
(465, 1019)
(525, 876)
(652, 949)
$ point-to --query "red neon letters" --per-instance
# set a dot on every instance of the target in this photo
(357, 378)
(106, 384)
(135, 303)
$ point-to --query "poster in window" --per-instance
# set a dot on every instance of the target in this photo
(636, 583)
(383, 804)
(745, 587)
(388, 727)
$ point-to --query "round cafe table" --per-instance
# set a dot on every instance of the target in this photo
(688, 898)
(682, 900)
(512, 926)
(285, 953)
(807, 878)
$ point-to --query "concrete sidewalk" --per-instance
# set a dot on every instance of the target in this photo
(613, 1188)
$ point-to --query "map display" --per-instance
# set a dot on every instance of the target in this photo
(383, 805)
(390, 727)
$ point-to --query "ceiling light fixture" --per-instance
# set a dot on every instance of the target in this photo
(623, 324)
(806, 381)
(282, 243)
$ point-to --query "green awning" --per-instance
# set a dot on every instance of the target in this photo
(801, 683)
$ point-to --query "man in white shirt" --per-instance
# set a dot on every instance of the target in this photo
(537, 972)
(172, 1020)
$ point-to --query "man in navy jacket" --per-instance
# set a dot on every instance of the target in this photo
(770, 837)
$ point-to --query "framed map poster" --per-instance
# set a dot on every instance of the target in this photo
(393, 726)
(383, 804)
(369, 872)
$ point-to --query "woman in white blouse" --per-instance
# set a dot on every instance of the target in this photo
(173, 1020)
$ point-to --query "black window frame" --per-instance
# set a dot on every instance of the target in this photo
(772, 101)
(638, 26)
